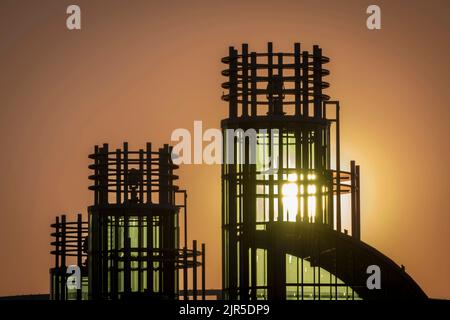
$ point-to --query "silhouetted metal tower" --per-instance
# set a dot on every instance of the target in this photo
(281, 97)
(133, 248)
(69, 248)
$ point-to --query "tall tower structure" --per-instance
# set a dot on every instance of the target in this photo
(282, 232)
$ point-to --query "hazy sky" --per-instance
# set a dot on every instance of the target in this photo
(139, 69)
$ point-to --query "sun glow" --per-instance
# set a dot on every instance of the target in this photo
(290, 198)
(294, 195)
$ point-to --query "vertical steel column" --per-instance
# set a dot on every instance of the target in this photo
(80, 251)
(203, 271)
(244, 80)
(330, 183)
(247, 222)
(194, 270)
(185, 218)
(140, 218)
(280, 175)
(252, 229)
(297, 69)
(305, 170)
(358, 204)
(57, 272)
(115, 252)
(63, 257)
(125, 173)
(185, 274)
(167, 225)
(127, 267)
(126, 224)
(270, 75)
(318, 150)
(253, 86)
(353, 198)
(150, 248)
(298, 166)
(331, 178)
(231, 227)
(93, 267)
(305, 85)
(338, 170)
(104, 222)
(233, 82)
(278, 104)
(270, 133)
(317, 81)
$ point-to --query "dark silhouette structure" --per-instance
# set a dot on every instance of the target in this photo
(69, 248)
(130, 248)
(282, 234)
(282, 231)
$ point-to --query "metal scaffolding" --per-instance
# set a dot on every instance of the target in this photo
(133, 248)
(269, 218)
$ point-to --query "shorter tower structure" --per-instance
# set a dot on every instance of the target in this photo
(130, 247)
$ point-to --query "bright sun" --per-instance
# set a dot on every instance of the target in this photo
(292, 196)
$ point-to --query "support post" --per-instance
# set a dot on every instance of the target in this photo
(194, 270)
(79, 251)
(203, 271)
(353, 198)
(338, 169)
(358, 204)
(185, 274)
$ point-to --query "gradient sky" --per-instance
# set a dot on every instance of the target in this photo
(139, 69)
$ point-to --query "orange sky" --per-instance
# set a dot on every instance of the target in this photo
(139, 69)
